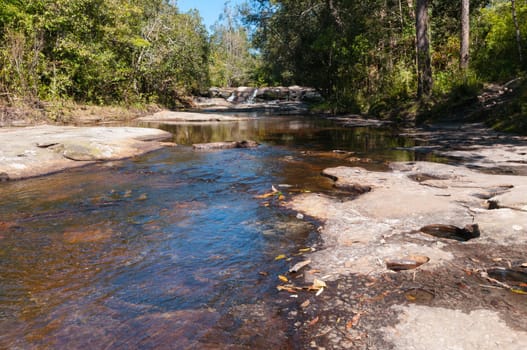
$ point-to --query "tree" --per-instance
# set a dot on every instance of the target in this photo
(517, 30)
(231, 62)
(465, 34)
(424, 66)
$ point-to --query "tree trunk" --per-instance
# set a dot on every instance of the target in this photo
(465, 34)
(517, 27)
(424, 65)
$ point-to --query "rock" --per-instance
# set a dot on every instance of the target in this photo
(34, 151)
(169, 117)
(225, 145)
(391, 209)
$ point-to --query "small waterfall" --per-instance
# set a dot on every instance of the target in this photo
(251, 98)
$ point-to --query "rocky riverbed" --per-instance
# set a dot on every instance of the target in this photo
(425, 256)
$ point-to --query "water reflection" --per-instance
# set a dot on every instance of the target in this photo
(165, 250)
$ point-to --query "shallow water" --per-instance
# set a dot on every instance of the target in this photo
(170, 249)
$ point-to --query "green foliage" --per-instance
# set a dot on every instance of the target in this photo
(497, 56)
(230, 61)
(100, 51)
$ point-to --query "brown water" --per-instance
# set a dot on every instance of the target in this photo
(170, 250)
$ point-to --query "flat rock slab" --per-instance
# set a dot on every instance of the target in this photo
(189, 117)
(364, 231)
(423, 327)
(34, 151)
(383, 222)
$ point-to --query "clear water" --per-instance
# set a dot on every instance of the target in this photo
(171, 249)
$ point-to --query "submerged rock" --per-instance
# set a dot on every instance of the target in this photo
(226, 145)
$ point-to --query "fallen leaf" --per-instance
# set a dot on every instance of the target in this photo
(299, 266)
(355, 319)
(304, 250)
(305, 304)
(263, 273)
(283, 278)
(410, 297)
(274, 189)
(318, 284)
(524, 265)
(519, 291)
(288, 288)
(281, 197)
(265, 195)
(313, 322)
(319, 292)
(280, 257)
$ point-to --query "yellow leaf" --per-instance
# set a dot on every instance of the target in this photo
(519, 291)
(283, 278)
(318, 284)
(304, 250)
(410, 297)
(280, 257)
(266, 195)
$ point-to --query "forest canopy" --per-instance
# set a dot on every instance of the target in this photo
(360, 55)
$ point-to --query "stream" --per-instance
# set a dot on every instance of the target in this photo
(172, 249)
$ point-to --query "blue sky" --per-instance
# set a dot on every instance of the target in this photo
(209, 10)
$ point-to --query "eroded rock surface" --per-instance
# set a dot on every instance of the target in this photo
(40, 150)
(387, 219)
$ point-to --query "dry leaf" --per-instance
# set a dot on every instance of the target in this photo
(280, 257)
(318, 284)
(263, 273)
(274, 189)
(299, 266)
(304, 250)
(319, 292)
(354, 320)
(305, 304)
(265, 195)
(519, 291)
(283, 278)
(313, 322)
(288, 288)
